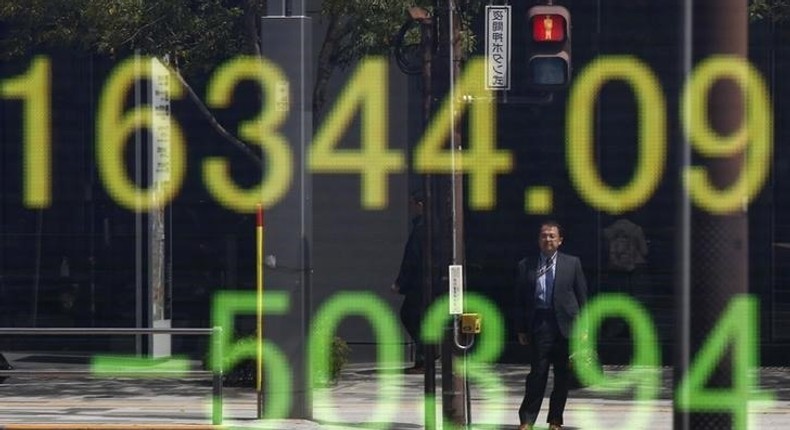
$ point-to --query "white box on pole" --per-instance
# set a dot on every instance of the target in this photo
(456, 289)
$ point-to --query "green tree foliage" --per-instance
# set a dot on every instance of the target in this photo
(357, 28)
(369, 27)
(363, 27)
(195, 34)
(775, 10)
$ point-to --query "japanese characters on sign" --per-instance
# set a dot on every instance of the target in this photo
(498, 47)
(160, 101)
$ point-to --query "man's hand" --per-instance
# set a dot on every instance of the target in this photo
(523, 339)
(395, 288)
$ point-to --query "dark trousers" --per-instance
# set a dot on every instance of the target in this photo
(410, 316)
(4, 365)
(549, 347)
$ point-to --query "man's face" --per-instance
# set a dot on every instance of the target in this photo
(415, 207)
(549, 239)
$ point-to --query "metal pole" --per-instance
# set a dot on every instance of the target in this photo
(449, 198)
(460, 383)
(683, 233)
(276, 7)
(429, 350)
(717, 263)
(298, 7)
(140, 226)
(216, 389)
(79, 331)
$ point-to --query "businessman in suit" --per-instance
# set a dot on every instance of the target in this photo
(550, 291)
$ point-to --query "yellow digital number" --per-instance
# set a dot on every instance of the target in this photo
(481, 161)
(261, 130)
(113, 128)
(755, 134)
(652, 134)
(366, 90)
(34, 88)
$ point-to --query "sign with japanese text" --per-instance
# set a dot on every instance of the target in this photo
(160, 103)
(498, 47)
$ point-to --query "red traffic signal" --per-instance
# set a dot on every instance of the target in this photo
(548, 28)
(548, 47)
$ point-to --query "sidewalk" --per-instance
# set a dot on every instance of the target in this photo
(358, 401)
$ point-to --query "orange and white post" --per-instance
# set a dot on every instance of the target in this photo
(259, 313)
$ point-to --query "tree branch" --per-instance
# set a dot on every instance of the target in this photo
(334, 33)
(251, 35)
(245, 148)
(137, 32)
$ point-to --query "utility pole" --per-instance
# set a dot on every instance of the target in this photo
(713, 259)
(427, 46)
(447, 200)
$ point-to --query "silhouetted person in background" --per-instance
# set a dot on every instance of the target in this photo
(627, 250)
(409, 282)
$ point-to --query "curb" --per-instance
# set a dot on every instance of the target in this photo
(100, 426)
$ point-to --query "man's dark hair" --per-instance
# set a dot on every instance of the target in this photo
(552, 223)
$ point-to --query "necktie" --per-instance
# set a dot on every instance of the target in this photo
(549, 281)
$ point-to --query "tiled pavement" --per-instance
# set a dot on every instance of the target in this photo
(358, 401)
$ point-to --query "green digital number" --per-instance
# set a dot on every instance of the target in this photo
(386, 329)
(226, 352)
(643, 374)
(488, 347)
(736, 331)
(140, 367)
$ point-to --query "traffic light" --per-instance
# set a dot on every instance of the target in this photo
(548, 47)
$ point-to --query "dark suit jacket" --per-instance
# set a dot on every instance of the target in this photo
(409, 278)
(570, 292)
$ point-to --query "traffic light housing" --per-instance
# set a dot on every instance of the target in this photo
(548, 47)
